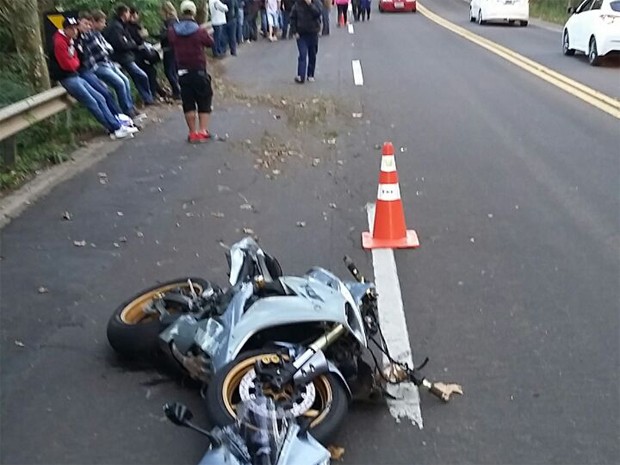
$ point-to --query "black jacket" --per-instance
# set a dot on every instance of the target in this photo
(124, 46)
(306, 19)
(233, 10)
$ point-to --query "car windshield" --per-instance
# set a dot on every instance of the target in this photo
(615, 6)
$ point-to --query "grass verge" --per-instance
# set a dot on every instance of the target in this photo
(551, 10)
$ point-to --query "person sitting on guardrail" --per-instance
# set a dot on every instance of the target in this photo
(124, 52)
(146, 55)
(86, 69)
(109, 72)
(64, 65)
(188, 41)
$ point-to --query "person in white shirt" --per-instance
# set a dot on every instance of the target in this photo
(218, 11)
(273, 12)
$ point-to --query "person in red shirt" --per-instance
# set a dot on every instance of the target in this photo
(64, 66)
(188, 40)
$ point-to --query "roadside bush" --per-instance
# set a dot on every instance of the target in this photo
(552, 10)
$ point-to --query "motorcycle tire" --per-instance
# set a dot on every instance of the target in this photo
(131, 332)
(330, 407)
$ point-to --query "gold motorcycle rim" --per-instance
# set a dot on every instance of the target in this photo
(230, 391)
(133, 313)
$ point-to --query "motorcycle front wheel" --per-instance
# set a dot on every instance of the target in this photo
(133, 332)
(324, 401)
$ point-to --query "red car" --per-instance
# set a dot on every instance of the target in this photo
(397, 5)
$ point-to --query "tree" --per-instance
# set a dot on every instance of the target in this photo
(22, 18)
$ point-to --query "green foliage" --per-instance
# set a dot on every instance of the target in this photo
(47, 143)
(552, 10)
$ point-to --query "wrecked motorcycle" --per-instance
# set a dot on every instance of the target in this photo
(298, 340)
(262, 435)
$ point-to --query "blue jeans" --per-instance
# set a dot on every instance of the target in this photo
(308, 46)
(240, 26)
(286, 21)
(82, 91)
(218, 42)
(141, 80)
(170, 69)
(263, 22)
(113, 77)
(325, 17)
(231, 36)
(95, 83)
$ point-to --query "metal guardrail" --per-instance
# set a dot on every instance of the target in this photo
(23, 114)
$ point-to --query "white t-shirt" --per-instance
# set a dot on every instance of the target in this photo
(272, 6)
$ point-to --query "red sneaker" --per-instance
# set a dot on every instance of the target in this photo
(194, 138)
(205, 135)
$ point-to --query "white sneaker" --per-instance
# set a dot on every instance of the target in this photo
(121, 133)
(131, 129)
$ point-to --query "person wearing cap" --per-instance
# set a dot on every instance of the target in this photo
(188, 41)
(117, 35)
(64, 66)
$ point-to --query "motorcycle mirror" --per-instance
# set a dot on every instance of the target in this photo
(178, 413)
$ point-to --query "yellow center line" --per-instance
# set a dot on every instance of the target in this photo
(587, 94)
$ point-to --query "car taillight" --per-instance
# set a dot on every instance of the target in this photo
(609, 19)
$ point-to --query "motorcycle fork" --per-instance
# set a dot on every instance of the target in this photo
(321, 343)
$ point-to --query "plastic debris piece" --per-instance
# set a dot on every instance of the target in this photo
(301, 224)
(19, 344)
(217, 214)
(79, 243)
(66, 216)
(43, 290)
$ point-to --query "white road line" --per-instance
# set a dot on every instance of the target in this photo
(358, 77)
(392, 320)
(351, 31)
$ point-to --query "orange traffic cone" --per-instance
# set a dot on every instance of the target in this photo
(389, 231)
(341, 20)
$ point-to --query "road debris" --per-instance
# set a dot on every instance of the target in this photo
(336, 452)
(249, 231)
(43, 290)
(66, 216)
(246, 206)
(316, 162)
(116, 244)
(120, 213)
(19, 344)
(139, 234)
(79, 243)
(301, 224)
(333, 205)
(217, 214)
(122, 239)
(357, 115)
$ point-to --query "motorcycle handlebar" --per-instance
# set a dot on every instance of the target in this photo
(353, 269)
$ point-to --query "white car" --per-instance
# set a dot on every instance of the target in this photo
(500, 10)
(594, 29)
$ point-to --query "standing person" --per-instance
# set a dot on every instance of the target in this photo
(356, 5)
(273, 7)
(240, 21)
(231, 25)
(327, 7)
(365, 9)
(169, 16)
(64, 65)
(188, 41)
(305, 26)
(251, 16)
(124, 52)
(106, 70)
(218, 10)
(146, 56)
(343, 8)
(287, 6)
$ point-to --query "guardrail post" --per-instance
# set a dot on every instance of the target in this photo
(8, 152)
(68, 124)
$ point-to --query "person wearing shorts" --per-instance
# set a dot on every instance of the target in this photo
(188, 41)
(273, 9)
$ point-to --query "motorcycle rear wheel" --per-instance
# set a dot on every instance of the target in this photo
(132, 332)
(326, 413)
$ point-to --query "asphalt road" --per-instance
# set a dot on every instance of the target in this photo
(511, 184)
